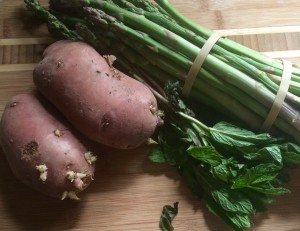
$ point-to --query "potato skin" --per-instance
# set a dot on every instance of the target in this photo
(33, 134)
(104, 104)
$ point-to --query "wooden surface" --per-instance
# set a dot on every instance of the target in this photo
(129, 191)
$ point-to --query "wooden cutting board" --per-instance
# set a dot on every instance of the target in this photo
(129, 191)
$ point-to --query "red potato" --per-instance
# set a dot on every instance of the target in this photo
(104, 104)
(42, 150)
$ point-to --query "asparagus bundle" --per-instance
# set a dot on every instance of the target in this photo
(233, 169)
(233, 78)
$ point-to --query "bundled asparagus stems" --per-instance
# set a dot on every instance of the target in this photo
(233, 169)
(247, 80)
(233, 78)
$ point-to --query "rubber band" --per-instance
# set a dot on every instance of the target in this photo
(280, 97)
(199, 60)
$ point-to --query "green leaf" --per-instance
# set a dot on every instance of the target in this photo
(237, 221)
(291, 159)
(232, 201)
(291, 147)
(258, 199)
(274, 152)
(228, 170)
(221, 172)
(266, 154)
(271, 190)
(259, 174)
(156, 155)
(230, 135)
(205, 154)
(240, 220)
(290, 153)
(171, 150)
(167, 216)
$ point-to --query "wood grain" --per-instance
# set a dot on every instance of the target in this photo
(129, 191)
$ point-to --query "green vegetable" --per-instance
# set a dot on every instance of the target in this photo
(160, 41)
(167, 216)
(236, 171)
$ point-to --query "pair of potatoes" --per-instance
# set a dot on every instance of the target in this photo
(46, 144)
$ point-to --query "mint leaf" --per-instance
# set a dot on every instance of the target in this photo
(171, 149)
(291, 159)
(240, 220)
(167, 216)
(232, 168)
(222, 168)
(258, 199)
(259, 174)
(290, 153)
(205, 154)
(237, 221)
(230, 135)
(270, 190)
(228, 170)
(156, 155)
(290, 147)
(221, 172)
(266, 154)
(272, 151)
(232, 201)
